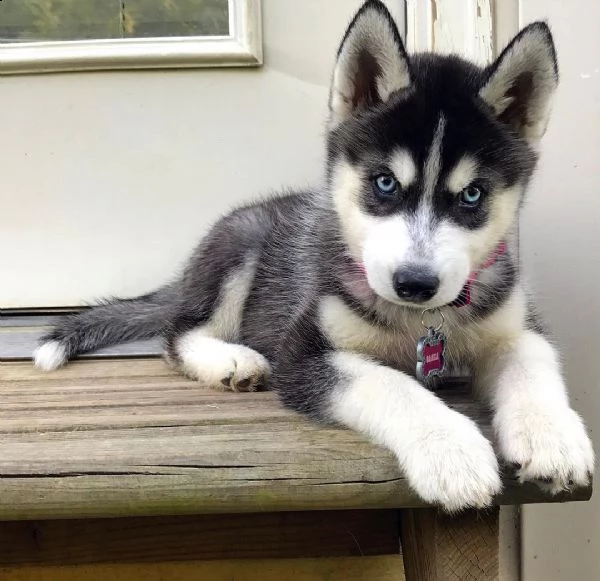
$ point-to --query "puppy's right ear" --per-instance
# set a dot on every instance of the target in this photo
(371, 63)
(521, 83)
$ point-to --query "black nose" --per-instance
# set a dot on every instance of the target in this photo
(415, 284)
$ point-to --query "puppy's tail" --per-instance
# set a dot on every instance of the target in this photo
(112, 322)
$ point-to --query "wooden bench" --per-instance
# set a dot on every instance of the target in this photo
(160, 478)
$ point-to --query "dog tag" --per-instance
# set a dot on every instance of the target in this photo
(431, 355)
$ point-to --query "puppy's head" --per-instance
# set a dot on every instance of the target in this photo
(429, 156)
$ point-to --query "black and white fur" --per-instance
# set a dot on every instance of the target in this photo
(275, 292)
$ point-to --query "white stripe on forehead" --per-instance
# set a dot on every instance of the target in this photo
(421, 223)
(404, 167)
(433, 163)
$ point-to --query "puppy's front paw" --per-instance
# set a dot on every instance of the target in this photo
(548, 444)
(453, 465)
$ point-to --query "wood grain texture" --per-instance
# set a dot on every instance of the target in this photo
(208, 537)
(133, 438)
(337, 569)
(441, 548)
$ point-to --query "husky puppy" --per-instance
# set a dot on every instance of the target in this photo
(324, 294)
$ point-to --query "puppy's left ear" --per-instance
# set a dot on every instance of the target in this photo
(521, 83)
(371, 64)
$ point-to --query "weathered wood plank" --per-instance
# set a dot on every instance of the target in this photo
(159, 539)
(133, 438)
(441, 548)
(346, 569)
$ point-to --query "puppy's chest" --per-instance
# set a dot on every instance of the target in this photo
(397, 347)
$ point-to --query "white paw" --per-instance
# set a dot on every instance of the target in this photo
(548, 444)
(50, 355)
(453, 465)
(222, 365)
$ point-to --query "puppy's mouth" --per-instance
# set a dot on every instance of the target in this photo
(418, 288)
(355, 280)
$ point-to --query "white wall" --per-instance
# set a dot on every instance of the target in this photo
(561, 249)
(109, 179)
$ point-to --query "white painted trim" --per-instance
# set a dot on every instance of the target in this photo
(242, 47)
(507, 22)
(419, 25)
(464, 27)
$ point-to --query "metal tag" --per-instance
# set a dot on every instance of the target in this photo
(431, 352)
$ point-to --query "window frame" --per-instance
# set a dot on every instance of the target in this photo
(241, 48)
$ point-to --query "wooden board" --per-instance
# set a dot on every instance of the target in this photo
(340, 569)
(133, 438)
(214, 537)
(437, 547)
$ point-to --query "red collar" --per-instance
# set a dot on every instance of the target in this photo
(464, 298)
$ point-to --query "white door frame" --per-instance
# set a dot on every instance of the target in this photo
(474, 29)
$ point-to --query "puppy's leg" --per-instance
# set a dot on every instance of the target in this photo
(445, 457)
(202, 338)
(536, 428)
(219, 364)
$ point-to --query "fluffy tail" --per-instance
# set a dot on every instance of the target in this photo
(111, 323)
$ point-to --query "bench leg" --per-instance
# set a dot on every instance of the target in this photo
(436, 547)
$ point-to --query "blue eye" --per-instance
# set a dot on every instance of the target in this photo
(386, 185)
(471, 196)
